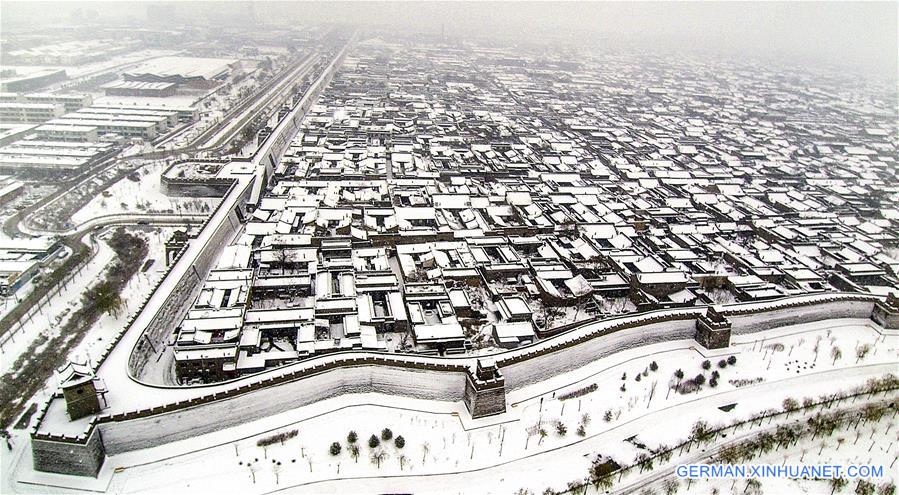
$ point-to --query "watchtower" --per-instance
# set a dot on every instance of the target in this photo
(713, 329)
(485, 390)
(886, 312)
(81, 390)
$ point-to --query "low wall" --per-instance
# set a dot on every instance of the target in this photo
(158, 429)
(210, 186)
(196, 188)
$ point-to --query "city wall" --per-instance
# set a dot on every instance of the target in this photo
(178, 303)
(212, 187)
(295, 385)
(541, 364)
(747, 320)
(64, 456)
(254, 397)
(187, 288)
(150, 430)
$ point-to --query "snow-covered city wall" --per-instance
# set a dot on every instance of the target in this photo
(275, 144)
(185, 290)
(743, 323)
(157, 429)
(83, 459)
(545, 365)
(218, 406)
(196, 178)
(197, 188)
(408, 377)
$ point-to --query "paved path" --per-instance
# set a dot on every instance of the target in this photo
(126, 219)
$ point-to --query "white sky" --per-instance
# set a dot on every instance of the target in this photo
(861, 36)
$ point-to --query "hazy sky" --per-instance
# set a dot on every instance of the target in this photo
(857, 35)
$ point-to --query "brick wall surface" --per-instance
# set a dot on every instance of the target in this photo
(486, 402)
(152, 430)
(69, 458)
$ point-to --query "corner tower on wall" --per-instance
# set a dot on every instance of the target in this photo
(75, 455)
(72, 456)
(485, 390)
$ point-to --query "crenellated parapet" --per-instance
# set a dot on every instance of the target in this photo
(713, 329)
(480, 382)
(485, 390)
(886, 312)
(80, 455)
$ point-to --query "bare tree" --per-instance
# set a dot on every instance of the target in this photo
(790, 404)
(837, 485)
(670, 486)
(753, 487)
(861, 352)
(378, 456)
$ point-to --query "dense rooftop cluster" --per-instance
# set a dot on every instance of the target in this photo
(450, 200)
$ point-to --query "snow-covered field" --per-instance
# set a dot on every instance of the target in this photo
(872, 443)
(523, 448)
(142, 196)
(55, 312)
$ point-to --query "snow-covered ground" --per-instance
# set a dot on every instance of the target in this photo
(506, 452)
(56, 312)
(872, 443)
(135, 291)
(142, 196)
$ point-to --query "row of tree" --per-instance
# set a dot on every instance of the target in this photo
(374, 442)
(602, 472)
